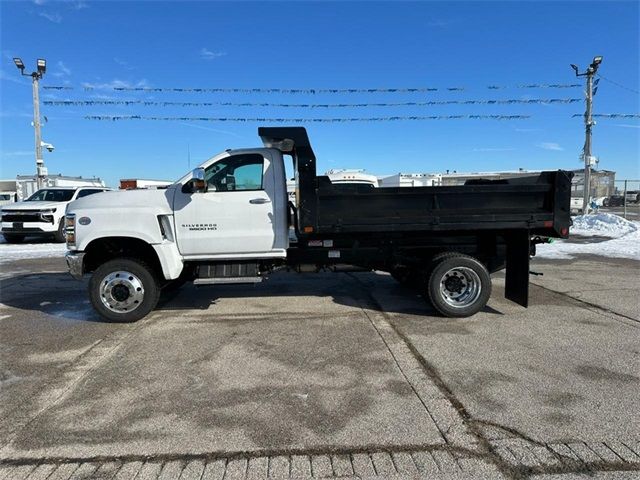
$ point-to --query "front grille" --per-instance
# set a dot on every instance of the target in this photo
(26, 217)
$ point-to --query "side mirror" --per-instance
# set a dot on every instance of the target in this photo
(197, 182)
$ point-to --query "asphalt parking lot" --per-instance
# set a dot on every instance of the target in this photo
(316, 376)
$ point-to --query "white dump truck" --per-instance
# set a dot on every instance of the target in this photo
(228, 221)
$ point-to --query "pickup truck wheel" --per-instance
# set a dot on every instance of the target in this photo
(59, 235)
(124, 290)
(13, 238)
(459, 285)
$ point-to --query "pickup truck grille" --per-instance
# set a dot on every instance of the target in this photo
(33, 216)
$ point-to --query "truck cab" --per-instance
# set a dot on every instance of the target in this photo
(239, 210)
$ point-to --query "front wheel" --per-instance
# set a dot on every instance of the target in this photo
(459, 285)
(124, 290)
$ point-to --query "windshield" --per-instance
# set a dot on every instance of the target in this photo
(51, 196)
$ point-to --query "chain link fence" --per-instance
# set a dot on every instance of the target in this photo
(624, 200)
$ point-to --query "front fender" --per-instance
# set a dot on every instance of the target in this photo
(170, 259)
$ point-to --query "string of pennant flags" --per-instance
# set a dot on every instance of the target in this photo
(537, 85)
(59, 103)
(609, 115)
(114, 118)
(303, 90)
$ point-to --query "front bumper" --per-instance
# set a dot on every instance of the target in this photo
(75, 263)
(29, 228)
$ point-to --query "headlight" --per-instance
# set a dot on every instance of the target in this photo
(47, 215)
(70, 229)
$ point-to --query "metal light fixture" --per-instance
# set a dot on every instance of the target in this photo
(588, 123)
(18, 62)
(41, 68)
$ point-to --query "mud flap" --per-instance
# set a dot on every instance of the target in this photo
(517, 277)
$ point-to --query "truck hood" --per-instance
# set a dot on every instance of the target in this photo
(33, 206)
(123, 201)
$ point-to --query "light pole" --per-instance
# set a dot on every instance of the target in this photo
(589, 123)
(41, 171)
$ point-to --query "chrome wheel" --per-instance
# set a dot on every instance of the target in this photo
(460, 287)
(121, 291)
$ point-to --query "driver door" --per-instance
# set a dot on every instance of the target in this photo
(235, 216)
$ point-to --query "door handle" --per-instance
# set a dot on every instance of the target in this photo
(259, 201)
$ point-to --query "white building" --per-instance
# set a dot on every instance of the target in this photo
(135, 183)
(411, 180)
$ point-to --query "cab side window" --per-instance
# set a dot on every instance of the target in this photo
(236, 173)
(84, 193)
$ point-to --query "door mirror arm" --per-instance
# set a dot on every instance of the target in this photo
(197, 183)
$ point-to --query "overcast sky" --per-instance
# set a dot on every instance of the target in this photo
(93, 48)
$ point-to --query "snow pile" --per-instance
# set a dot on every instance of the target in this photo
(624, 238)
(602, 224)
(20, 251)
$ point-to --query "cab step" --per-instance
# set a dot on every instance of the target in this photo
(222, 273)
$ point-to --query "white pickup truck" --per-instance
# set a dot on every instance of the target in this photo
(228, 221)
(42, 214)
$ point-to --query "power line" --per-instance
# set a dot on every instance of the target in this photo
(545, 101)
(310, 120)
(618, 84)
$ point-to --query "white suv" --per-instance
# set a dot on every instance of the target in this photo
(42, 214)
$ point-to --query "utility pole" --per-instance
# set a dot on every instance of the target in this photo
(588, 123)
(41, 171)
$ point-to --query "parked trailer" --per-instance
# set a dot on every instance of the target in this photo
(228, 222)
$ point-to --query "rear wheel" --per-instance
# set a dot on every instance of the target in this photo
(124, 290)
(13, 238)
(459, 285)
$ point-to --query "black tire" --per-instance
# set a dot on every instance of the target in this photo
(141, 276)
(13, 238)
(605, 202)
(59, 235)
(463, 275)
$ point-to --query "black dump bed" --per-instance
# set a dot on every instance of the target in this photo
(537, 203)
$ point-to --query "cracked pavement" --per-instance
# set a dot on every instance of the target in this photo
(329, 375)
